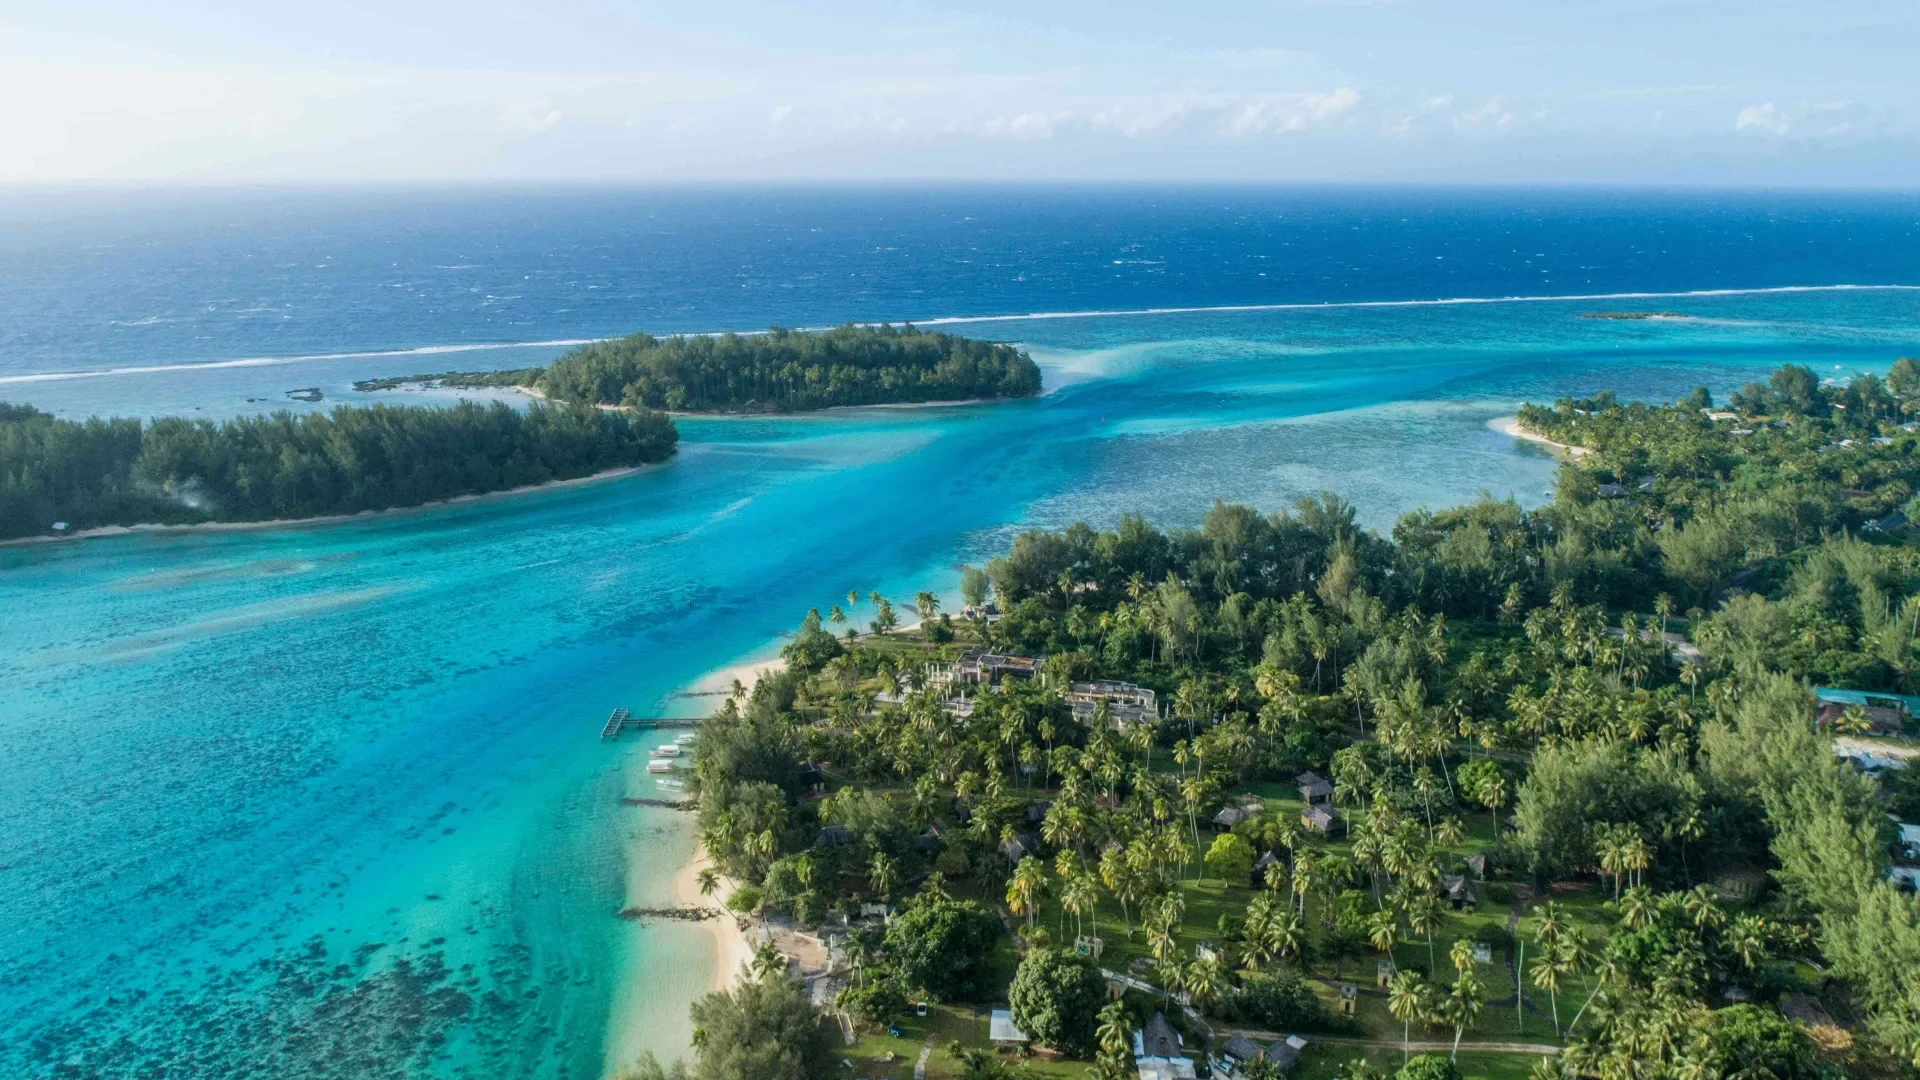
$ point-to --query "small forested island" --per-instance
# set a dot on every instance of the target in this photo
(780, 371)
(1612, 787)
(66, 476)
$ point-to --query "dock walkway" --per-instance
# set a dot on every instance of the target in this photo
(621, 720)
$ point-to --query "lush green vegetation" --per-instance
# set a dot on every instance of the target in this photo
(779, 371)
(176, 471)
(1586, 801)
(456, 380)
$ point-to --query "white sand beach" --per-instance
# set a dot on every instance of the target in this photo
(330, 519)
(1510, 425)
(731, 949)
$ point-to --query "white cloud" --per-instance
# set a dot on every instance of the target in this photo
(1493, 116)
(1763, 118)
(780, 113)
(1026, 127)
(1280, 114)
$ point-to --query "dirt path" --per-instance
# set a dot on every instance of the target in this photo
(920, 1066)
(1422, 1046)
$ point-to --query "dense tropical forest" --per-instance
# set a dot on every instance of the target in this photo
(1572, 811)
(779, 371)
(177, 471)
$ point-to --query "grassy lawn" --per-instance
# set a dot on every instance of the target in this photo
(1322, 1060)
(945, 1023)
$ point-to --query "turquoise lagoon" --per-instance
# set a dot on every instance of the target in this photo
(330, 801)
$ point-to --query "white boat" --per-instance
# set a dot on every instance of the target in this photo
(659, 766)
(667, 750)
(684, 740)
(670, 783)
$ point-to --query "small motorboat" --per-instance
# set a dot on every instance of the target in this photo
(666, 750)
(659, 766)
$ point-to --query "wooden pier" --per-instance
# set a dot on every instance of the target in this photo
(621, 720)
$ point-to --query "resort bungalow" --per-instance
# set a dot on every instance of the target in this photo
(1239, 1052)
(1314, 788)
(1258, 879)
(1459, 891)
(1909, 842)
(1325, 820)
(1886, 714)
(1156, 1051)
(981, 666)
(1019, 846)
(1126, 703)
(1000, 1029)
(1228, 817)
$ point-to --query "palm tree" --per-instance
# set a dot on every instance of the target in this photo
(1383, 929)
(1286, 934)
(883, 874)
(767, 962)
(709, 880)
(836, 615)
(1205, 982)
(853, 597)
(1406, 998)
(1114, 1038)
(1025, 888)
(1422, 915)
(1546, 976)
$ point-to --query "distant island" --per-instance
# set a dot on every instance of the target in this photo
(62, 476)
(781, 371)
(1633, 316)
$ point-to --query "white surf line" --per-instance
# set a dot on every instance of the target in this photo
(270, 361)
(951, 320)
(1446, 302)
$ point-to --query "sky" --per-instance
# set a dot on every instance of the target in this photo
(1820, 93)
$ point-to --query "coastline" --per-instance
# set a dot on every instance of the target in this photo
(327, 519)
(1510, 425)
(731, 950)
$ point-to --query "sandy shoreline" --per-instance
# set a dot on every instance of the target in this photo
(329, 519)
(731, 950)
(1510, 425)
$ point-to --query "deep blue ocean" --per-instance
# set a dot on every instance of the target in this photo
(330, 801)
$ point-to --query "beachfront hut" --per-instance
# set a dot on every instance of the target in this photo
(1886, 713)
(1314, 788)
(1325, 820)
(1020, 846)
(1258, 878)
(1227, 818)
(1459, 891)
(1156, 1051)
(1284, 1053)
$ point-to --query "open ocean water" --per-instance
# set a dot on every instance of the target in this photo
(329, 801)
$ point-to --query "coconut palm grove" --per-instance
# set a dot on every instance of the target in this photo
(1609, 788)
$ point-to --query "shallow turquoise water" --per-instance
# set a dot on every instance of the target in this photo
(238, 762)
